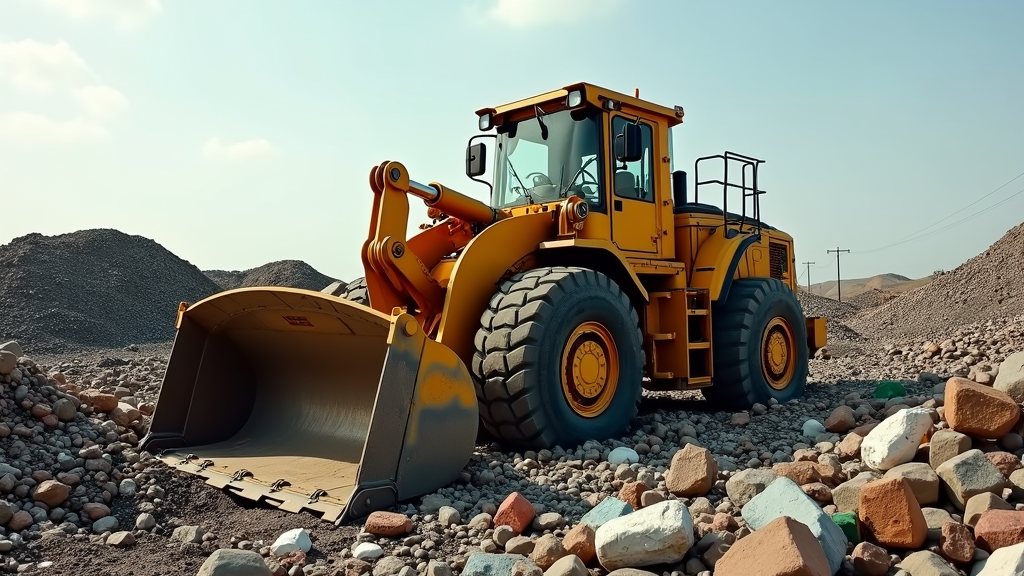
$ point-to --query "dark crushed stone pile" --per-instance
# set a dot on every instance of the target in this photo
(92, 288)
(290, 273)
(986, 287)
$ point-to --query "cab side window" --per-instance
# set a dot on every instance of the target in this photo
(635, 180)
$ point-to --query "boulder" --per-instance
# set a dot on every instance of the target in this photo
(969, 474)
(294, 540)
(926, 563)
(1010, 378)
(515, 511)
(745, 484)
(998, 529)
(846, 496)
(783, 547)
(896, 439)
(1008, 561)
(660, 534)
(608, 509)
(890, 514)
(923, 481)
(946, 444)
(692, 472)
(232, 562)
(979, 410)
(783, 497)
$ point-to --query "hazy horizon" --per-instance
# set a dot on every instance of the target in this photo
(240, 133)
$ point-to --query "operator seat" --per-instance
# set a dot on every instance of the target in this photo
(625, 184)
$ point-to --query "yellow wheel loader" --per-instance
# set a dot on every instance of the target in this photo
(540, 315)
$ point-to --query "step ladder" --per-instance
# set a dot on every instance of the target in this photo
(698, 337)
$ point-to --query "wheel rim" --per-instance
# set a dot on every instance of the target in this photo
(778, 354)
(590, 369)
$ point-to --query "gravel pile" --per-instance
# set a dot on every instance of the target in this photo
(290, 273)
(985, 287)
(92, 288)
(872, 298)
(835, 313)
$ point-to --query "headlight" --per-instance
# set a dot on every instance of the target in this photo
(575, 98)
(486, 122)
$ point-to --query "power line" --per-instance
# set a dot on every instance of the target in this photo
(958, 222)
(808, 264)
(839, 276)
(969, 205)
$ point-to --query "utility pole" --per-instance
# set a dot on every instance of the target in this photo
(839, 276)
(808, 264)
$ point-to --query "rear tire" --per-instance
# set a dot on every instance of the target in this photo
(558, 359)
(356, 292)
(760, 345)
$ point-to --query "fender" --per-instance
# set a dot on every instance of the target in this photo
(599, 255)
(716, 263)
(478, 272)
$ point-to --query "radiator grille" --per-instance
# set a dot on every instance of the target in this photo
(777, 259)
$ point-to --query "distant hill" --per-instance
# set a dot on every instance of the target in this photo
(891, 283)
(290, 273)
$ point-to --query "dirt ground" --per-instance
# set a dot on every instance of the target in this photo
(193, 503)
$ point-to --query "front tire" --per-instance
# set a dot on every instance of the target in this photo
(356, 292)
(760, 345)
(558, 359)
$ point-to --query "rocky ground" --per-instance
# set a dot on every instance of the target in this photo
(79, 495)
(903, 457)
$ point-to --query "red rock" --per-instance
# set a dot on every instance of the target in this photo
(515, 511)
(998, 529)
(891, 515)
(547, 550)
(692, 472)
(52, 493)
(724, 523)
(784, 547)
(19, 521)
(387, 524)
(41, 476)
(870, 560)
(978, 410)
(819, 492)
(841, 419)
(50, 420)
(99, 401)
(864, 429)
(40, 410)
(581, 542)
(631, 493)
(957, 542)
(807, 473)
(95, 510)
(1006, 462)
(849, 447)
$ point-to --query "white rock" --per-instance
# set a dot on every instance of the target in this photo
(895, 441)
(367, 551)
(658, 534)
(623, 455)
(812, 428)
(293, 540)
(1008, 561)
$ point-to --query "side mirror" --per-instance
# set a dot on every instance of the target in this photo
(627, 144)
(476, 160)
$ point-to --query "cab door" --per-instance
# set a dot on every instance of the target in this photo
(634, 211)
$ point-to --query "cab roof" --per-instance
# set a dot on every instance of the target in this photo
(594, 95)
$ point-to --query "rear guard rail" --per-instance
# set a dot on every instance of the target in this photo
(305, 401)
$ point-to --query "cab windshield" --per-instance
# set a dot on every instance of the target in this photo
(543, 161)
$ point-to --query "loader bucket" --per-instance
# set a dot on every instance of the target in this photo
(306, 401)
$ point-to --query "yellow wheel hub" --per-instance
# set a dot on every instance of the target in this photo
(590, 369)
(778, 354)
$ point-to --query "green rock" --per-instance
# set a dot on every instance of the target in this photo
(890, 389)
(847, 521)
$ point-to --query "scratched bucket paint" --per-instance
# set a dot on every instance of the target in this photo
(306, 401)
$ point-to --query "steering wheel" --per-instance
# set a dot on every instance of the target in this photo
(544, 179)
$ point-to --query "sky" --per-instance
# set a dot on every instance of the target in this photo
(240, 132)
